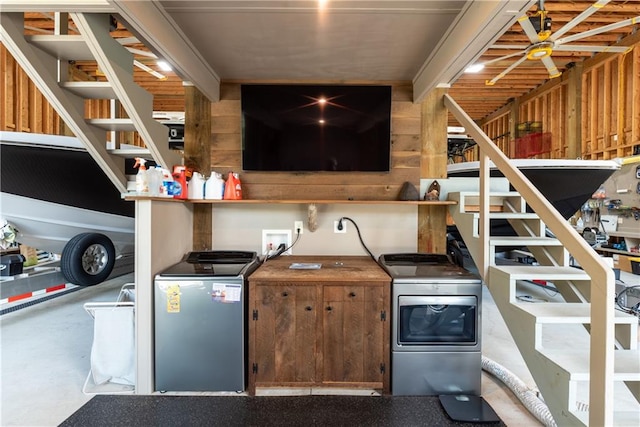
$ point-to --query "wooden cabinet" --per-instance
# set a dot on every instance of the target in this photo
(326, 327)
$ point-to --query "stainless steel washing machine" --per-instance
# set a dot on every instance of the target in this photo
(435, 325)
(200, 314)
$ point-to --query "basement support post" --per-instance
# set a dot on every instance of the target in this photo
(432, 220)
(574, 112)
(197, 155)
(514, 118)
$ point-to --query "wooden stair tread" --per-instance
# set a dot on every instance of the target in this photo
(70, 47)
(125, 125)
(90, 90)
(492, 194)
(575, 363)
(629, 417)
(507, 215)
(560, 312)
(539, 272)
(523, 241)
(130, 153)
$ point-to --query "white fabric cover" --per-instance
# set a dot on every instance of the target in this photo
(113, 349)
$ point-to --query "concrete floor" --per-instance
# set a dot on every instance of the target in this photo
(45, 358)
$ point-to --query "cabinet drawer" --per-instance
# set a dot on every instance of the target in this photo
(353, 293)
(291, 292)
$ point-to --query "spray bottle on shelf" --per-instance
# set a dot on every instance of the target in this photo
(142, 184)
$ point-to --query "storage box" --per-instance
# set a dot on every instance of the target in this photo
(623, 262)
(10, 265)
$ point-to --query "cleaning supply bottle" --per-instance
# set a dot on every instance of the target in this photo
(214, 187)
(154, 179)
(233, 187)
(180, 182)
(142, 184)
(196, 186)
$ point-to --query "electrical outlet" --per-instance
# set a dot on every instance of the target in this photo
(298, 225)
(335, 227)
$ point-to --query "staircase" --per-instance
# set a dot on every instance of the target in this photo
(45, 57)
(602, 348)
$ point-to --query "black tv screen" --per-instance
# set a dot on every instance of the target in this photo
(316, 128)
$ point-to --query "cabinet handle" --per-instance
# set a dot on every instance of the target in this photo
(285, 294)
(352, 294)
(308, 308)
(329, 308)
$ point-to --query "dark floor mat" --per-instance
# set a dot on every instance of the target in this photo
(401, 411)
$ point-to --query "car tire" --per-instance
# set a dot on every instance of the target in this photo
(87, 259)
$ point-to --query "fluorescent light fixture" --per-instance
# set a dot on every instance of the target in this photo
(474, 68)
(149, 70)
(164, 66)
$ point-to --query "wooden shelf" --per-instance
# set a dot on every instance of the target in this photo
(299, 201)
(616, 251)
(629, 234)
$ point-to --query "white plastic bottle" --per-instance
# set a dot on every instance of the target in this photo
(154, 179)
(214, 187)
(195, 187)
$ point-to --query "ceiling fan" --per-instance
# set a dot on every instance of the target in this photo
(537, 27)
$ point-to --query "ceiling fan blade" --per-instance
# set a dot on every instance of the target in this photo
(595, 31)
(589, 48)
(509, 46)
(528, 29)
(551, 67)
(502, 58)
(505, 72)
(578, 19)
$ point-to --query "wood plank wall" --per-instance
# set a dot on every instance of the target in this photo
(609, 97)
(226, 155)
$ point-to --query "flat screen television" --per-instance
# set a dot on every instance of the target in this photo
(299, 128)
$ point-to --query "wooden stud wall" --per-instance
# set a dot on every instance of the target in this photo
(611, 106)
(24, 108)
(226, 155)
(548, 106)
(609, 97)
(498, 129)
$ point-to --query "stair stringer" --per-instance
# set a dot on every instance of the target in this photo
(117, 64)
(39, 66)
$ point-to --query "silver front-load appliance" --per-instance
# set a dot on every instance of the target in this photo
(435, 325)
(200, 322)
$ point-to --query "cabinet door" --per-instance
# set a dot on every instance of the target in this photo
(285, 333)
(353, 334)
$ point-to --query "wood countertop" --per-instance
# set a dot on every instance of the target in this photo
(332, 269)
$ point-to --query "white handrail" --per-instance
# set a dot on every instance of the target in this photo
(602, 277)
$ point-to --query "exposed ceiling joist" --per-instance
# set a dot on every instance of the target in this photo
(477, 27)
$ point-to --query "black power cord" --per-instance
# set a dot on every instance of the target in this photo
(635, 310)
(282, 248)
(359, 235)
